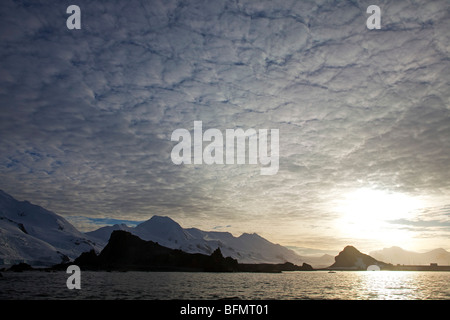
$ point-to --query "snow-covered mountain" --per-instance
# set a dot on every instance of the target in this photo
(247, 248)
(32, 234)
(397, 255)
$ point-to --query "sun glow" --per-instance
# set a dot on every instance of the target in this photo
(366, 214)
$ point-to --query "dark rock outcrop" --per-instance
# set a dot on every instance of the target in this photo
(267, 267)
(307, 267)
(21, 267)
(125, 251)
(352, 259)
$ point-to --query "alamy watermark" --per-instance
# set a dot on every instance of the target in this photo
(232, 150)
(74, 21)
(374, 21)
(74, 281)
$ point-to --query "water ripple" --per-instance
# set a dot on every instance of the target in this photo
(383, 285)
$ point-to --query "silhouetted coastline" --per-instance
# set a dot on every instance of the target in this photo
(128, 252)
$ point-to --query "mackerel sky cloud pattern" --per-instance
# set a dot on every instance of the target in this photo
(86, 115)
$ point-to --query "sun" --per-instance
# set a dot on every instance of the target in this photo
(369, 214)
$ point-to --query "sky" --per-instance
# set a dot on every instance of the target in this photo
(363, 116)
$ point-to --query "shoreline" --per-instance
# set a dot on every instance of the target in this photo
(414, 268)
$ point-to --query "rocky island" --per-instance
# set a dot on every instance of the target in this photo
(352, 259)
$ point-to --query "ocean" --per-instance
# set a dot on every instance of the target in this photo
(347, 285)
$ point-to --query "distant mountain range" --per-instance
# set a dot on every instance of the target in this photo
(396, 255)
(36, 236)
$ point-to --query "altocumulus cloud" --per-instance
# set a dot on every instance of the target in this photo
(86, 115)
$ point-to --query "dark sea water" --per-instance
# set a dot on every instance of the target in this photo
(358, 285)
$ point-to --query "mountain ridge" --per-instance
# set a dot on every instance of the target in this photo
(34, 235)
(128, 252)
(246, 248)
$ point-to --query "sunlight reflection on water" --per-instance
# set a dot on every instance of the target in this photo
(249, 286)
